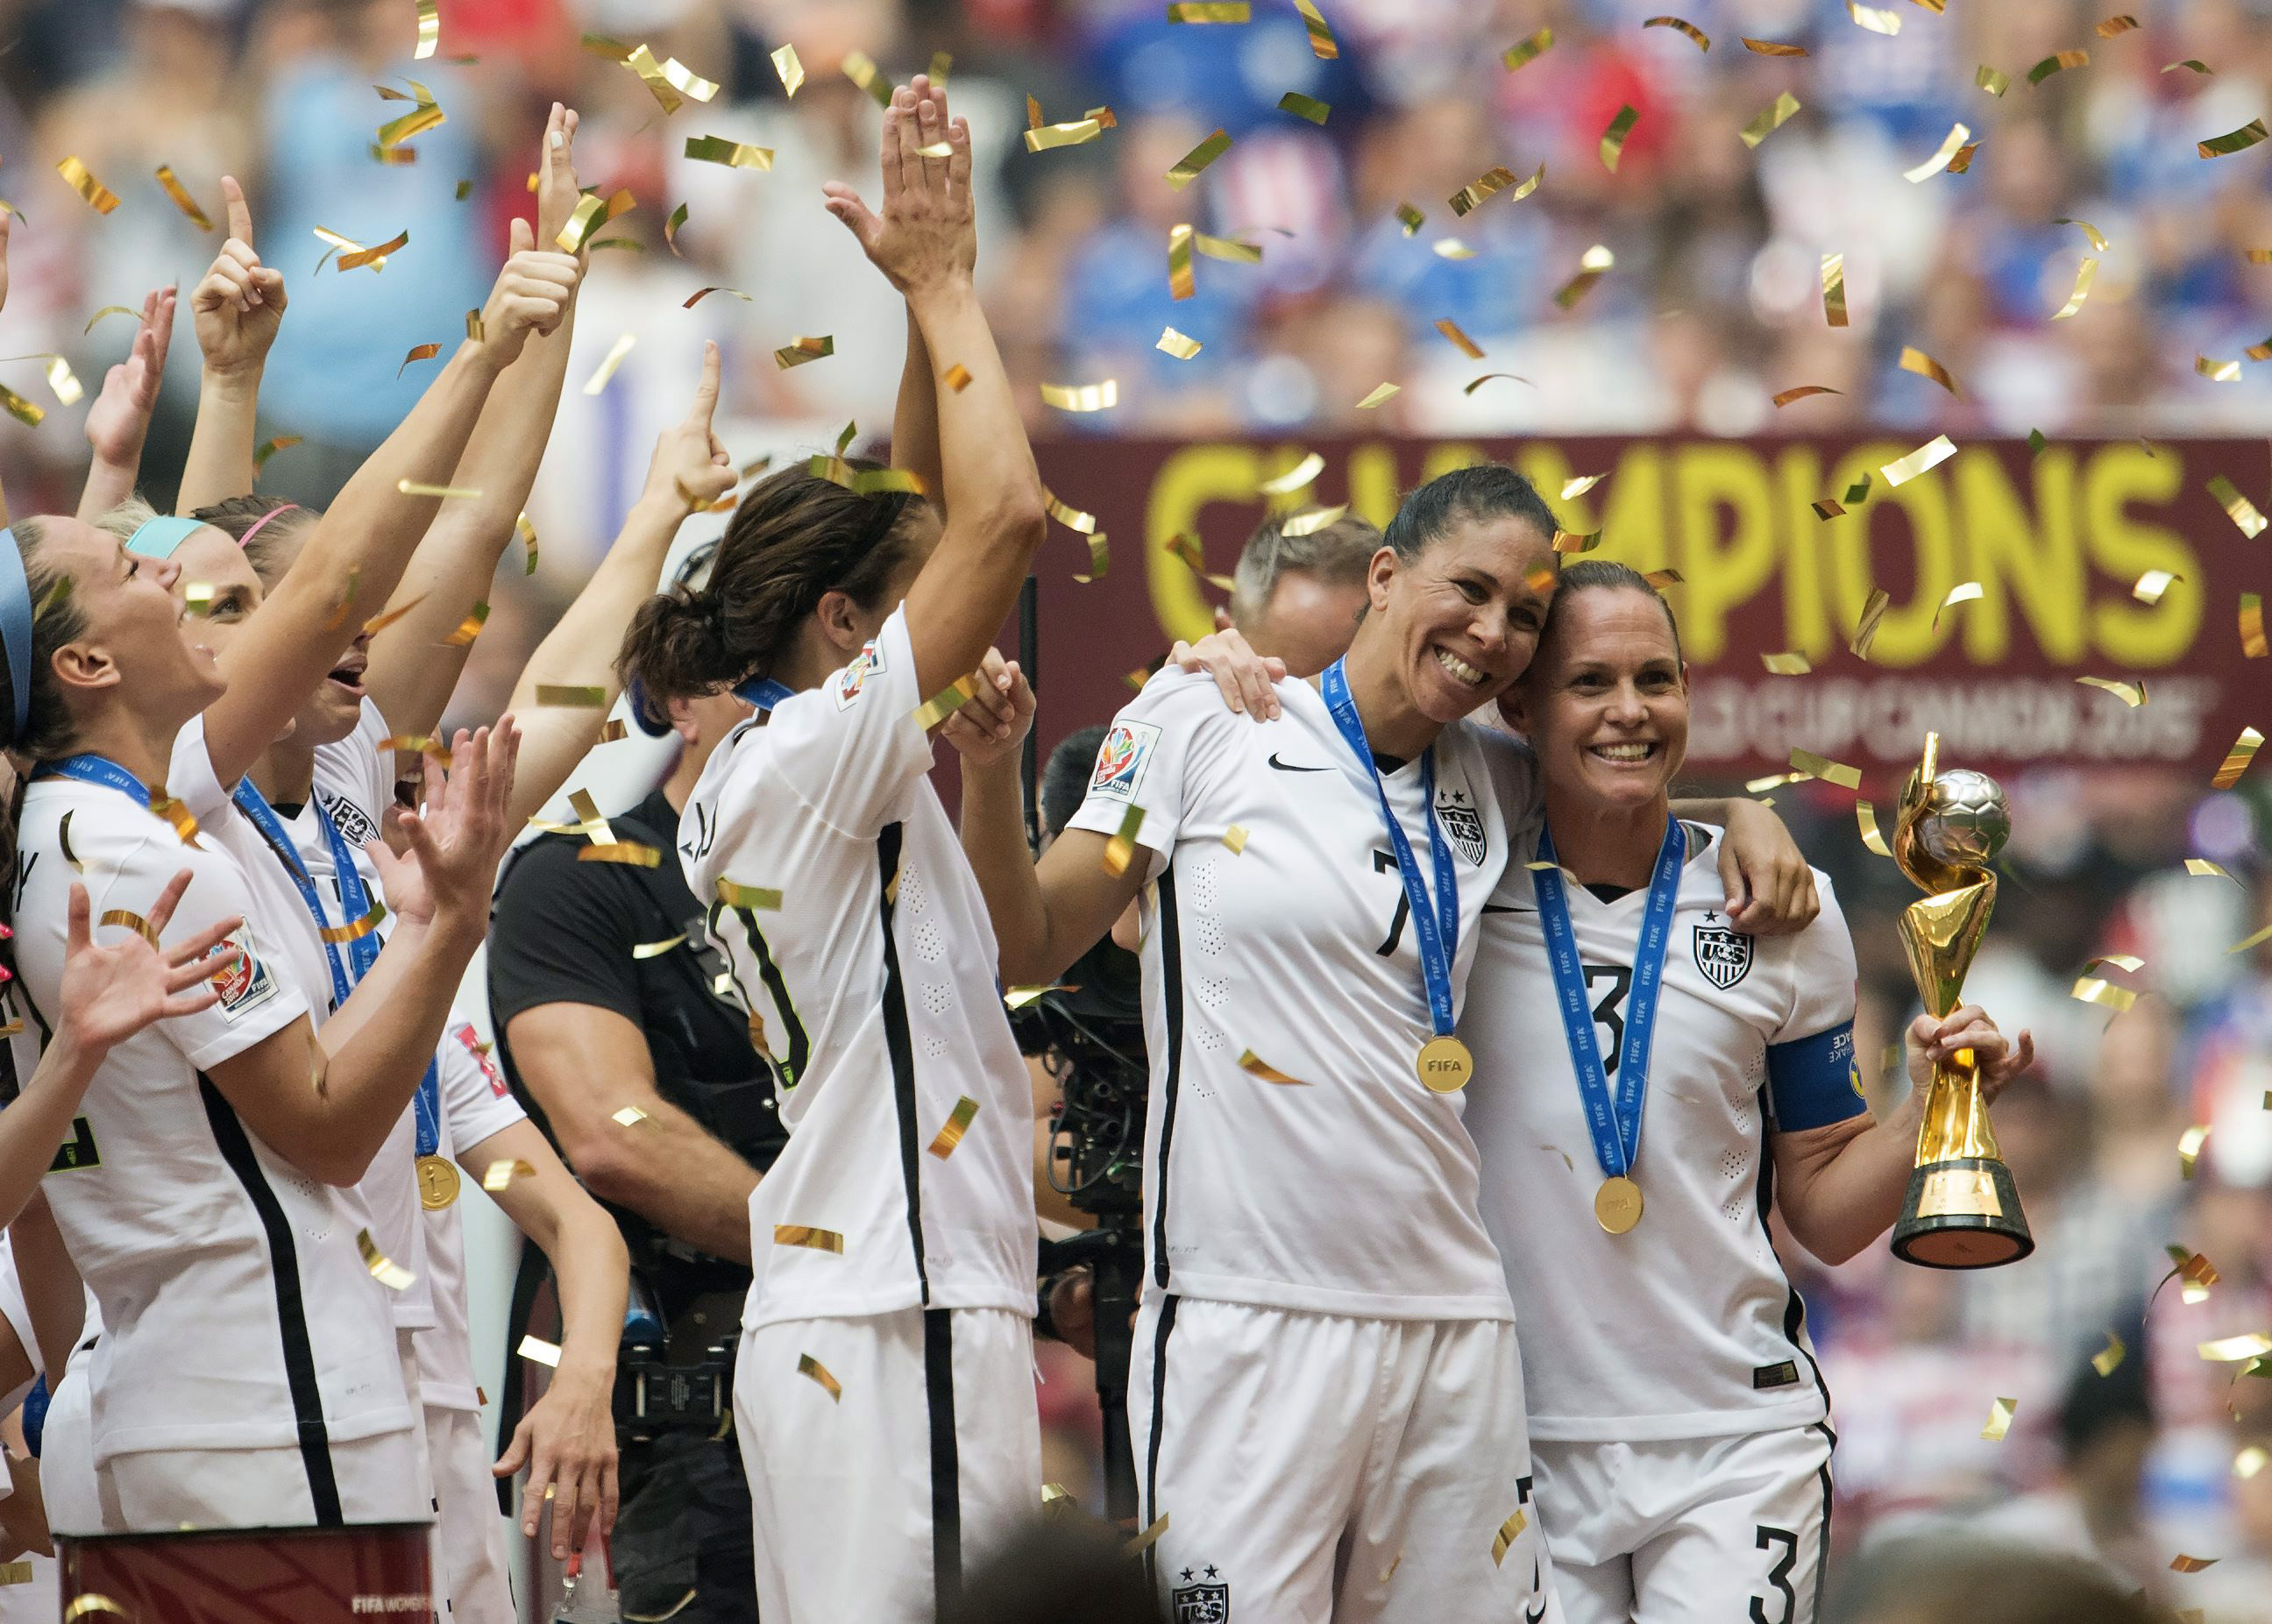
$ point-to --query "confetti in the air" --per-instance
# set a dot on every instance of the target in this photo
(2000, 1420)
(1958, 135)
(1770, 118)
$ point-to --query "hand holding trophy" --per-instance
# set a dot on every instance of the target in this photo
(1962, 1210)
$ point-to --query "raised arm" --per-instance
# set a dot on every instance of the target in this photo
(414, 666)
(690, 464)
(236, 311)
(119, 420)
(350, 566)
(923, 241)
(567, 1439)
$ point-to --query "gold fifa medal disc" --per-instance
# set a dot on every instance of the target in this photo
(1444, 1065)
(437, 1183)
(1617, 1204)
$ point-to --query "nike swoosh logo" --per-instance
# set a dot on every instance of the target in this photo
(1535, 1575)
(1283, 766)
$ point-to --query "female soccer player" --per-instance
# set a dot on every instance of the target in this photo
(884, 1389)
(1680, 1424)
(1327, 1397)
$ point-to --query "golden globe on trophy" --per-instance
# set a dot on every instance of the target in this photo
(1963, 1210)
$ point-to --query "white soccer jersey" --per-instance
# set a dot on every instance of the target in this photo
(240, 1316)
(1686, 1327)
(353, 775)
(873, 986)
(1351, 1188)
(475, 1103)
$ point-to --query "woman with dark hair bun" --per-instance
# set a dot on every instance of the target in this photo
(883, 1394)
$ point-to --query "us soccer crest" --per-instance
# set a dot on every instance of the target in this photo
(1203, 1603)
(1724, 955)
(1462, 824)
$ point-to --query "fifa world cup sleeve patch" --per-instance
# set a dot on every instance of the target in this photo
(1814, 1082)
(1121, 761)
(245, 984)
(855, 677)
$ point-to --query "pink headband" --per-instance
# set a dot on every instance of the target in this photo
(246, 538)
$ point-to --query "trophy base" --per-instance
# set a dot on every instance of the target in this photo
(1962, 1213)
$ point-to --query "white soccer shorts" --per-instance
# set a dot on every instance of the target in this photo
(1314, 1467)
(471, 1569)
(1700, 1531)
(873, 1490)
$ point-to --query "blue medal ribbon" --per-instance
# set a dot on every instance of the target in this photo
(1436, 929)
(1614, 1119)
(89, 768)
(764, 693)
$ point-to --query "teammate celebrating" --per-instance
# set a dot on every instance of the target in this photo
(1680, 1433)
(1327, 1399)
(884, 1389)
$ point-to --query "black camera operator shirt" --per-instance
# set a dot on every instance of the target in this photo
(563, 932)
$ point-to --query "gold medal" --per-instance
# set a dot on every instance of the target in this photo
(1444, 1065)
(437, 1183)
(1617, 1204)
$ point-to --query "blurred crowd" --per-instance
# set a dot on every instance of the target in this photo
(1714, 305)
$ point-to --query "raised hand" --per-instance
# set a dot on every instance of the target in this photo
(531, 295)
(112, 990)
(1929, 1041)
(1247, 678)
(923, 234)
(556, 196)
(120, 417)
(691, 466)
(992, 725)
(239, 305)
(457, 840)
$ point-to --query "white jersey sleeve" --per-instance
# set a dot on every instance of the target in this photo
(1156, 759)
(189, 773)
(1812, 1078)
(848, 746)
(476, 1102)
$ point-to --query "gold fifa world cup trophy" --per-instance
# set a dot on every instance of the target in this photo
(1963, 1210)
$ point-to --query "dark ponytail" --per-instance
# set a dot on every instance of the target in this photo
(795, 538)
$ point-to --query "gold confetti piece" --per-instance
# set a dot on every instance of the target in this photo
(2113, 26)
(1210, 11)
(946, 702)
(1787, 665)
(1236, 838)
(2059, 62)
(806, 1235)
(587, 219)
(384, 1269)
(413, 488)
(1828, 770)
(425, 744)
(1569, 541)
(499, 1176)
(631, 854)
(1188, 166)
(182, 199)
(796, 353)
(1662, 578)
(1901, 470)
(1299, 477)
(578, 696)
(1379, 393)
(1254, 1065)
(1527, 50)
(15, 1573)
(791, 70)
(630, 1116)
(1082, 396)
(1769, 47)
(1834, 289)
(1510, 1530)
(2194, 63)
(1992, 80)
(127, 919)
(1121, 849)
(685, 80)
(2230, 1350)
(1963, 592)
(735, 895)
(808, 1366)
(417, 122)
(355, 930)
(537, 1351)
(1613, 138)
(109, 310)
(99, 197)
(1178, 345)
(1591, 265)
(2097, 237)
(60, 379)
(163, 805)
(2237, 759)
(1775, 780)
(1406, 216)
(598, 381)
(966, 1110)
(2250, 1460)
(1703, 41)
(2253, 644)
(656, 949)
(1146, 1540)
(1230, 249)
(1450, 248)
(2190, 1141)
(1099, 559)
(1305, 107)
(1866, 816)
(1043, 137)
(2202, 869)
(868, 77)
(734, 154)
(2000, 1420)
(1071, 517)
(641, 61)
(700, 293)
(2192, 1564)
(22, 410)
(1802, 391)
(1493, 181)
(2105, 1361)
(1958, 135)
(1875, 20)
(1770, 119)
(1311, 522)
(942, 63)
(268, 448)
(958, 376)
(2217, 146)
(93, 1602)
(2130, 694)
(1573, 488)
(377, 257)
(418, 351)
(2237, 507)
(1924, 366)
(2217, 371)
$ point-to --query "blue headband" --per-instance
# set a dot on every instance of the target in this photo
(16, 628)
(160, 536)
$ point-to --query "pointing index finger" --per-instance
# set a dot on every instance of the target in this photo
(705, 392)
(239, 213)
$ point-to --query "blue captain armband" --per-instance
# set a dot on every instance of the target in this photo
(1814, 1082)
